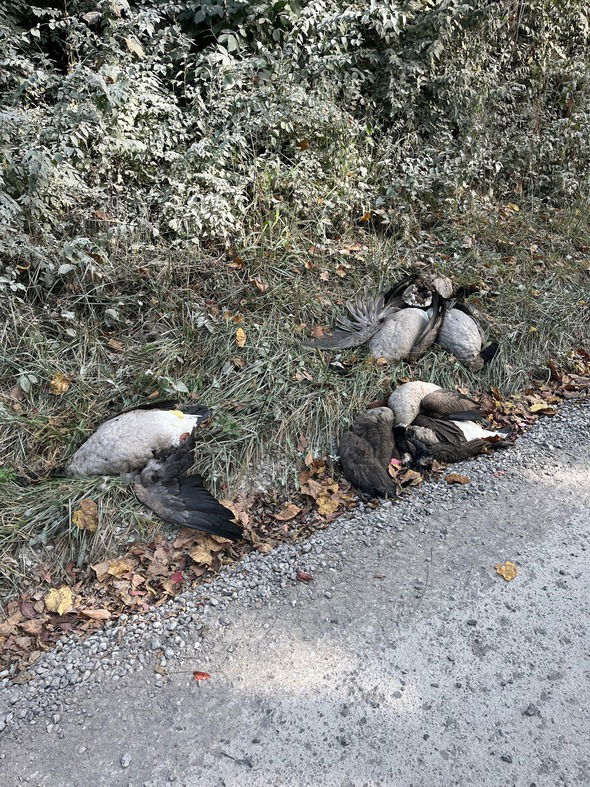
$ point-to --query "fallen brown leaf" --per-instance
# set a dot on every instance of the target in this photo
(60, 384)
(96, 614)
(201, 675)
(457, 478)
(303, 576)
(86, 515)
(290, 511)
(507, 570)
(116, 346)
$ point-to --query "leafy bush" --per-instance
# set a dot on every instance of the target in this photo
(194, 122)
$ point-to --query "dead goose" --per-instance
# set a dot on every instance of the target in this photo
(366, 449)
(408, 332)
(461, 335)
(153, 448)
(405, 401)
(396, 323)
(410, 399)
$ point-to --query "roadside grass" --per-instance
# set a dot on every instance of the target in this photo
(159, 321)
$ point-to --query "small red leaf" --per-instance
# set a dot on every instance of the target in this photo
(303, 576)
(177, 576)
(201, 675)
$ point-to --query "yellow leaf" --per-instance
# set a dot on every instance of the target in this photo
(59, 600)
(366, 216)
(327, 504)
(205, 550)
(513, 207)
(288, 512)
(60, 384)
(303, 144)
(119, 567)
(457, 478)
(86, 515)
(241, 337)
(508, 570)
(540, 407)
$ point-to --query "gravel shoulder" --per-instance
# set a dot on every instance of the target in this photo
(406, 661)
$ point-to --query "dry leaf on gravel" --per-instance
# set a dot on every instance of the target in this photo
(409, 478)
(303, 576)
(507, 570)
(201, 675)
(542, 407)
(206, 549)
(86, 515)
(59, 600)
(457, 478)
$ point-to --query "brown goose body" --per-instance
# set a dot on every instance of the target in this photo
(366, 449)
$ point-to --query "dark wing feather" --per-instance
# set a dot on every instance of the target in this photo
(446, 431)
(444, 452)
(397, 289)
(361, 467)
(185, 502)
(430, 332)
(448, 403)
(366, 317)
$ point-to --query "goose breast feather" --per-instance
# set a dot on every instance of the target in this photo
(127, 443)
(460, 335)
(395, 340)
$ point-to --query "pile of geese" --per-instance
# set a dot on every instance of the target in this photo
(422, 422)
(152, 446)
(404, 322)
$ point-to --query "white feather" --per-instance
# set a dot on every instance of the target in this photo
(473, 431)
(126, 443)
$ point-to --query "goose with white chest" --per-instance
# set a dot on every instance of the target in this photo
(153, 448)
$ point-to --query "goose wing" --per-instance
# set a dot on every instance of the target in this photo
(366, 315)
(448, 403)
(446, 431)
(186, 502)
(183, 500)
(428, 336)
(362, 468)
(445, 452)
